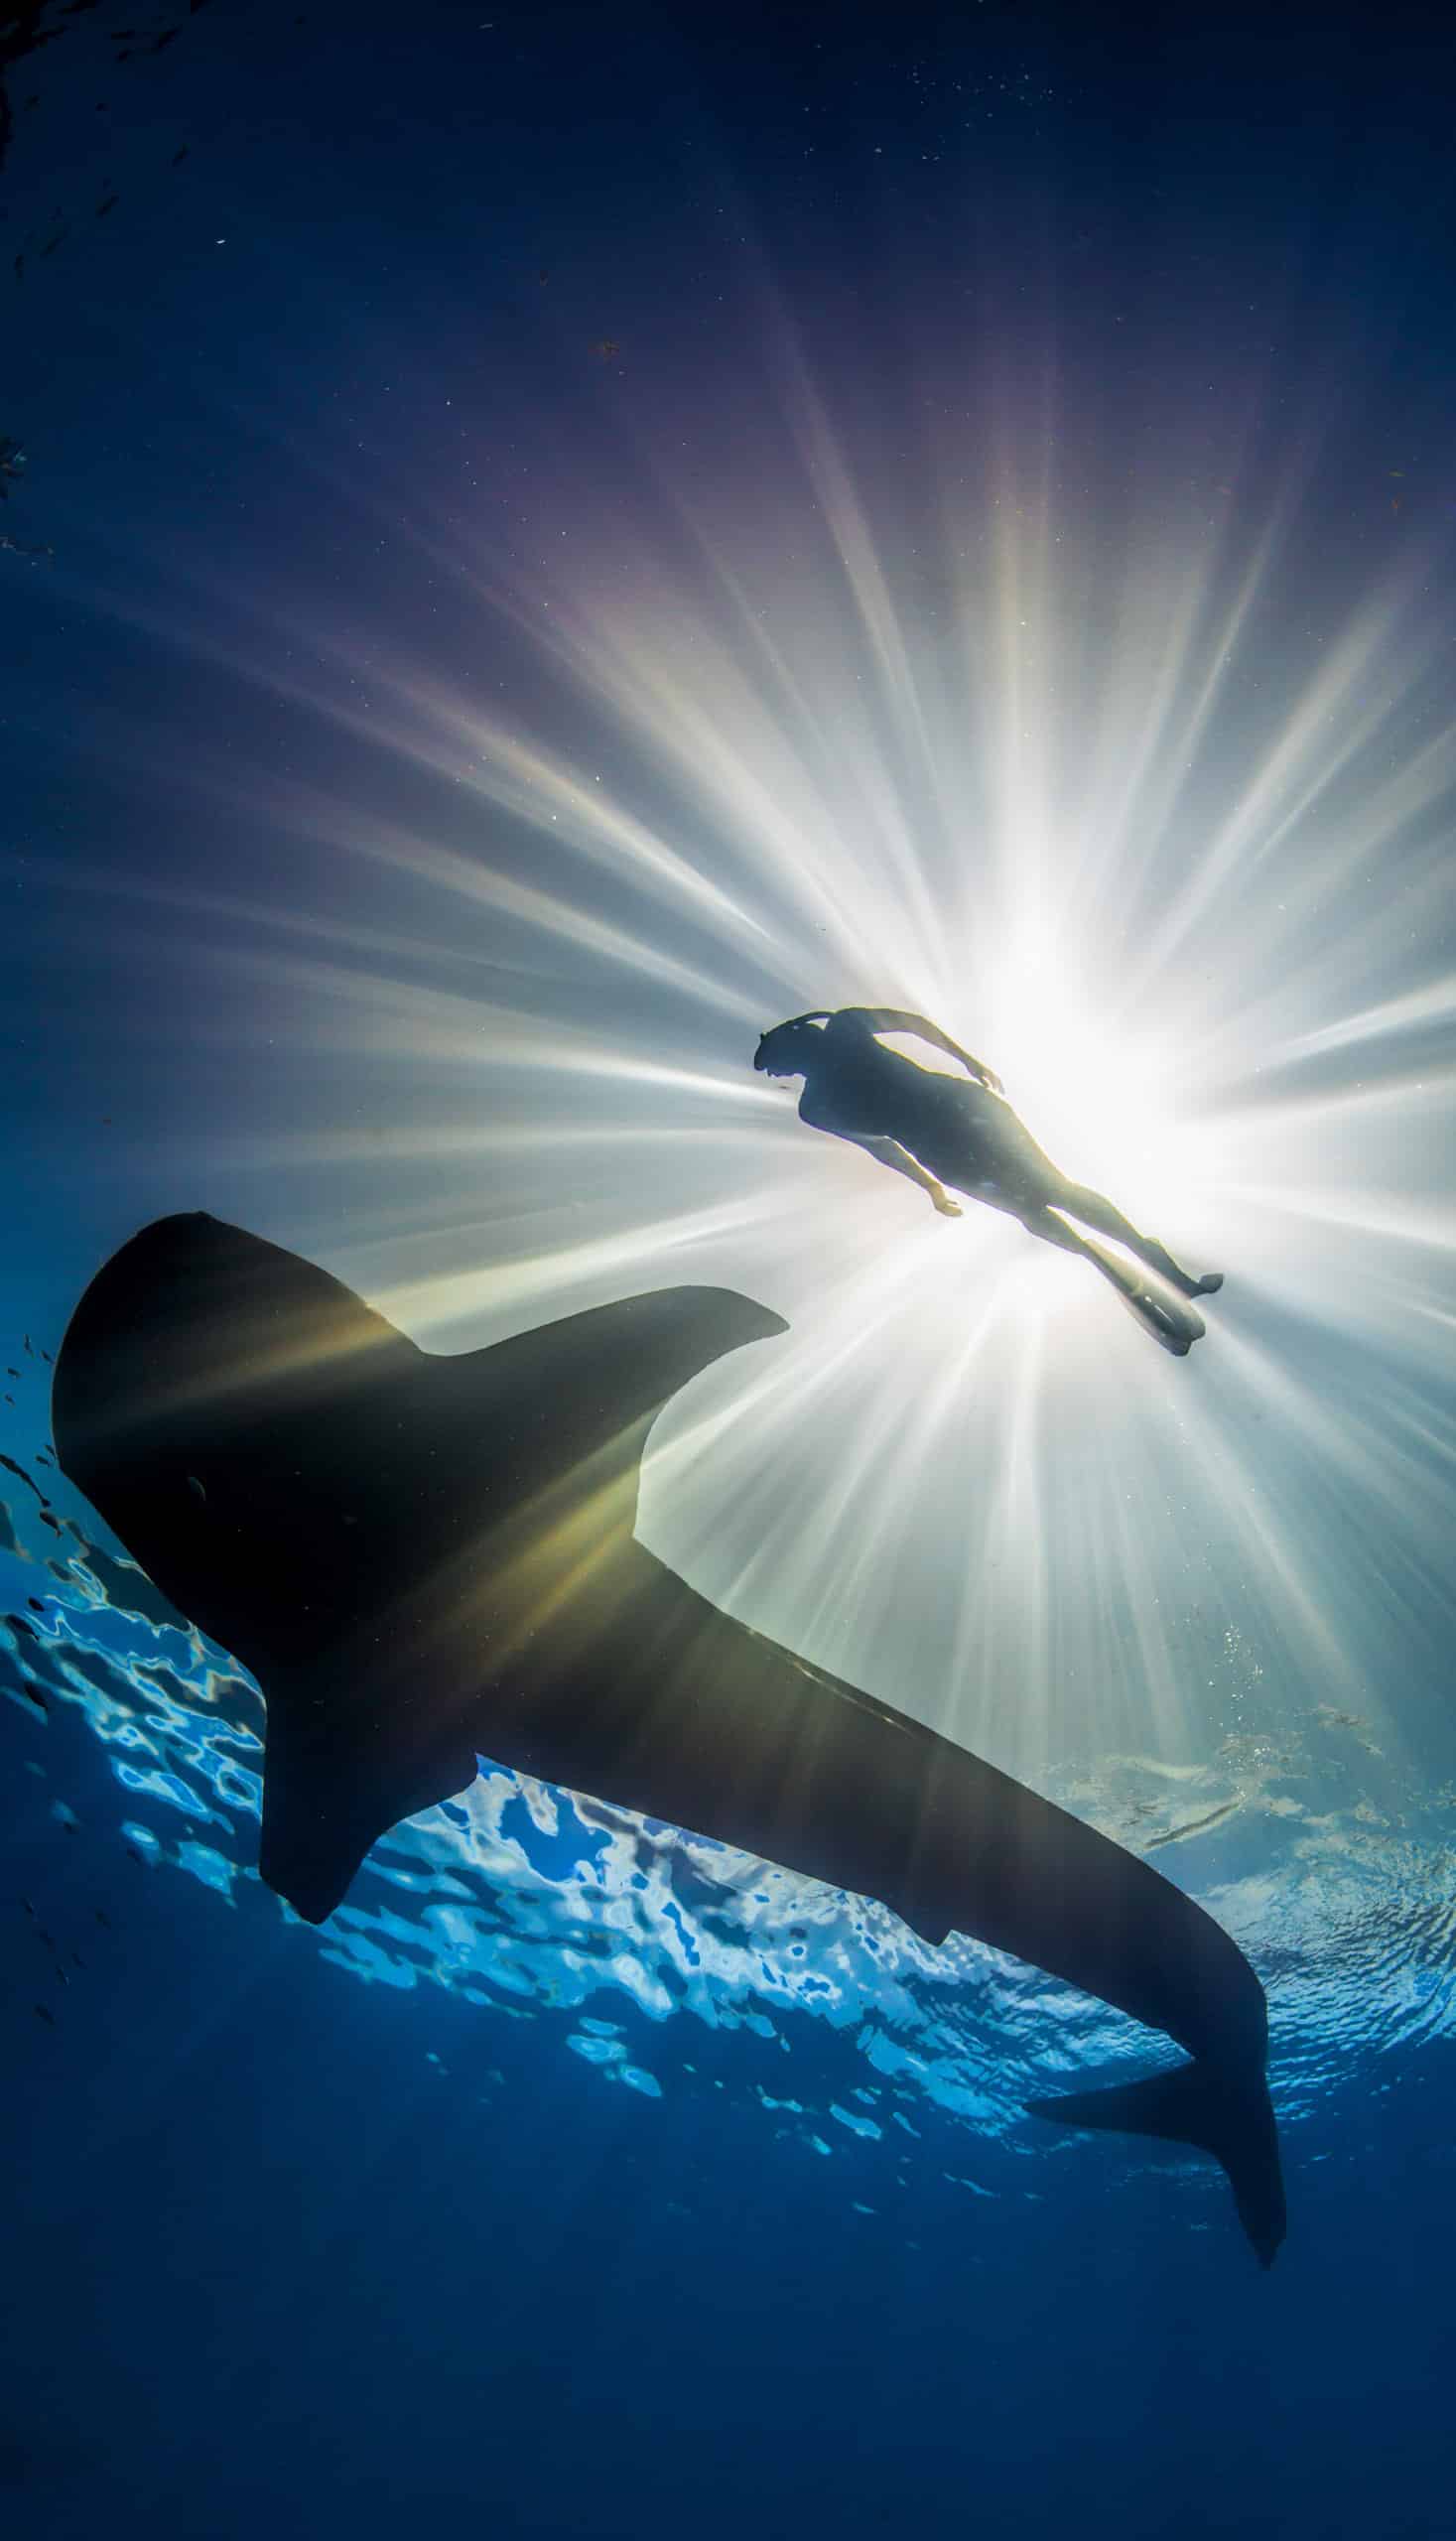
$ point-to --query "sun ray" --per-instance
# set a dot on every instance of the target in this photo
(722, 755)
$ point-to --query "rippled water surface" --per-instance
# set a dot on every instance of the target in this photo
(580, 1915)
(631, 2063)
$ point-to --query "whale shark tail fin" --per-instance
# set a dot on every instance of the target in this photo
(1231, 2118)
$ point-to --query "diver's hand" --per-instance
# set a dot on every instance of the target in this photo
(944, 1206)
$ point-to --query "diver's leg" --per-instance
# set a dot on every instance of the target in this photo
(1081, 1202)
(1175, 1327)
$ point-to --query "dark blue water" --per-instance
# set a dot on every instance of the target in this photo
(570, 2181)
(579, 534)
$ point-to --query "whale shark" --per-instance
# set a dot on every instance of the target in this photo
(425, 1558)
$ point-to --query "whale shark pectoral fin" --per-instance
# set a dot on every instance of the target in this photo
(1231, 2118)
(680, 1330)
(330, 1795)
(592, 1379)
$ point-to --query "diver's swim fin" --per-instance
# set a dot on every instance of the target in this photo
(1177, 1327)
(1230, 2116)
(1172, 1324)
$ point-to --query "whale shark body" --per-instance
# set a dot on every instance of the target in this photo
(425, 1559)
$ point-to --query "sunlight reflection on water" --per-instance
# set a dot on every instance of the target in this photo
(518, 1897)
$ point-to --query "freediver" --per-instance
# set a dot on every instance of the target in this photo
(937, 1129)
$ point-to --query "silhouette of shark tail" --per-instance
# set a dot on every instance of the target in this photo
(1230, 2116)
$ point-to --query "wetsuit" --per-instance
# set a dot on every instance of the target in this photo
(960, 1130)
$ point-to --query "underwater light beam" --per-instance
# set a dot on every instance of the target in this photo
(775, 781)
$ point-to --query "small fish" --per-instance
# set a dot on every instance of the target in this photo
(1194, 1825)
(44, 2013)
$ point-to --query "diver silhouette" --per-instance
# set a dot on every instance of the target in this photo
(937, 1129)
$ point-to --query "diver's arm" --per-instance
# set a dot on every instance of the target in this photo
(888, 1018)
(899, 1159)
(884, 1150)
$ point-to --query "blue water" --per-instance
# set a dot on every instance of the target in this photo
(577, 2175)
(549, 541)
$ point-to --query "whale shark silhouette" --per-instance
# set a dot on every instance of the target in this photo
(425, 1559)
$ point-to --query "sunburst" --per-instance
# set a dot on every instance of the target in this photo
(746, 770)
